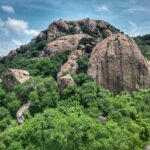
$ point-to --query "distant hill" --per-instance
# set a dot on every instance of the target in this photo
(144, 44)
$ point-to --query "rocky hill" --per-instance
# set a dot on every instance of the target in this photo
(114, 60)
(117, 64)
(78, 85)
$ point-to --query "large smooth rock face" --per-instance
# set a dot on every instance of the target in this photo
(11, 77)
(69, 42)
(117, 64)
(65, 81)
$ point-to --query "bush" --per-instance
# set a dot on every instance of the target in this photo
(83, 63)
(81, 78)
(72, 30)
(42, 93)
(85, 41)
(95, 34)
(105, 33)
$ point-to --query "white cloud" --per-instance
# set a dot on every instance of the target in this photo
(103, 8)
(135, 29)
(3, 30)
(8, 9)
(2, 23)
(19, 27)
(17, 42)
(136, 9)
(11, 30)
(5, 47)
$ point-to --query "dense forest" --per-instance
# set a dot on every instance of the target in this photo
(83, 117)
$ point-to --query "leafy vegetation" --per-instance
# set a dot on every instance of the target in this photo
(86, 41)
(71, 120)
(83, 63)
(95, 34)
(72, 30)
(105, 33)
(144, 44)
(37, 66)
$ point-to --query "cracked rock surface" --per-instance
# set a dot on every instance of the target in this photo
(117, 64)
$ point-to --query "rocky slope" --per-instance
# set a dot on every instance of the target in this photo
(69, 42)
(117, 64)
(115, 61)
(97, 28)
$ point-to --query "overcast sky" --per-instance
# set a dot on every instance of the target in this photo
(21, 20)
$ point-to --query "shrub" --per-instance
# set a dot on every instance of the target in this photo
(83, 63)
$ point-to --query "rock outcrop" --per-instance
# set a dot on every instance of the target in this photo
(117, 64)
(11, 77)
(65, 81)
(42, 35)
(20, 113)
(61, 27)
(71, 66)
(69, 42)
(147, 147)
(96, 28)
(12, 53)
(103, 119)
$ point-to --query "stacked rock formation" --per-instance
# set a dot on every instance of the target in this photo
(64, 82)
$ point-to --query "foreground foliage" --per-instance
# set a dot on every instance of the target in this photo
(72, 120)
